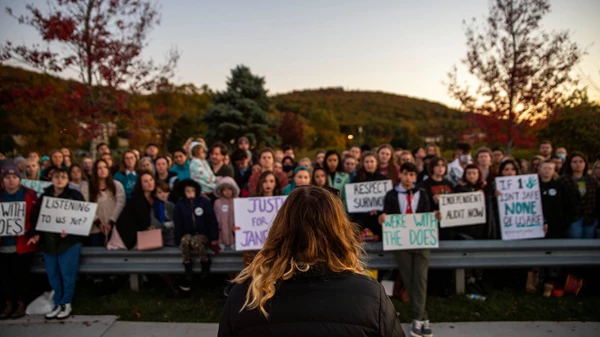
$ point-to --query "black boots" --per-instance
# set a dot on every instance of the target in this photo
(205, 269)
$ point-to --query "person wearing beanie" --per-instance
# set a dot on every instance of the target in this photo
(15, 253)
(301, 177)
(226, 191)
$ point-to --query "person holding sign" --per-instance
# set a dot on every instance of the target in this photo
(471, 181)
(17, 203)
(581, 189)
(61, 251)
(369, 171)
(308, 279)
(405, 198)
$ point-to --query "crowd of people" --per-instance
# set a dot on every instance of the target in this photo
(188, 194)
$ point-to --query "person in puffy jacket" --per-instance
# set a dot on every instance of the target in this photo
(195, 227)
(308, 280)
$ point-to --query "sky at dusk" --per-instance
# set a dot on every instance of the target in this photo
(403, 47)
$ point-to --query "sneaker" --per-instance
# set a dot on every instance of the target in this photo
(52, 314)
(426, 329)
(65, 312)
(415, 330)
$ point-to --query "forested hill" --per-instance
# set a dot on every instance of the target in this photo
(383, 116)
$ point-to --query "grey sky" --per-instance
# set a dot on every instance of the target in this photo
(401, 46)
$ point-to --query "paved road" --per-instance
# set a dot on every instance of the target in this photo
(107, 326)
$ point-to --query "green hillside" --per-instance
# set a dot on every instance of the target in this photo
(384, 117)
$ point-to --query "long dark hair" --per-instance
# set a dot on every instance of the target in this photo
(361, 174)
(138, 190)
(95, 182)
(340, 167)
(569, 169)
(315, 170)
(261, 180)
(506, 162)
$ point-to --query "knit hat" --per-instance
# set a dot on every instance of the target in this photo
(226, 182)
(11, 168)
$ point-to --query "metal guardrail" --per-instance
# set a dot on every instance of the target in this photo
(450, 255)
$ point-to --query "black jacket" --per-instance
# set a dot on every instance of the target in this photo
(556, 215)
(136, 217)
(326, 304)
(52, 243)
(391, 205)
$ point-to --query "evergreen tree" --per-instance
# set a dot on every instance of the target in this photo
(241, 110)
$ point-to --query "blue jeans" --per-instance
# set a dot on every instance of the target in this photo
(62, 271)
(578, 231)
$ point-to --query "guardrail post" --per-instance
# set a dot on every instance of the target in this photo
(460, 281)
(134, 282)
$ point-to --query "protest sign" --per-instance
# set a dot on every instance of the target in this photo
(367, 196)
(73, 216)
(520, 207)
(461, 209)
(254, 217)
(12, 218)
(410, 231)
(37, 185)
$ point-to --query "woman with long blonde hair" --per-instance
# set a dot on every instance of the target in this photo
(308, 280)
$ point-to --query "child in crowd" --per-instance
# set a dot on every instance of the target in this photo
(195, 227)
(301, 177)
(61, 251)
(200, 170)
(405, 198)
(162, 212)
(226, 191)
(16, 254)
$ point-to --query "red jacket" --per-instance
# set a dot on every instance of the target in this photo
(30, 200)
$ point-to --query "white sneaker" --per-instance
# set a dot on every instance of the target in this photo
(66, 312)
(52, 314)
(426, 329)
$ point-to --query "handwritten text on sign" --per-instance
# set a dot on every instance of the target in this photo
(12, 218)
(410, 231)
(367, 196)
(520, 207)
(254, 216)
(462, 209)
(37, 185)
(72, 216)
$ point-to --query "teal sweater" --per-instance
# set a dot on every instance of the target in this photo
(128, 182)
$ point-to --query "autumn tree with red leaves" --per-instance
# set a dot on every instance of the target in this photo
(101, 41)
(523, 73)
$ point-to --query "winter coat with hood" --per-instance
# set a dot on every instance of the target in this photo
(194, 216)
(224, 210)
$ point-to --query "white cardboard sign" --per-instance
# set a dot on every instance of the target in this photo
(367, 196)
(461, 209)
(73, 216)
(520, 207)
(12, 218)
(410, 231)
(254, 217)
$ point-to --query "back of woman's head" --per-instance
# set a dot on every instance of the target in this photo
(311, 228)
